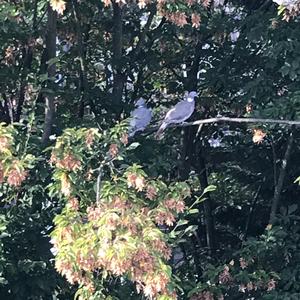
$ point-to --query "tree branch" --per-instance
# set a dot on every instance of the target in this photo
(239, 120)
(226, 119)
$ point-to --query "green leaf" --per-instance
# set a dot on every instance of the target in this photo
(210, 188)
(133, 146)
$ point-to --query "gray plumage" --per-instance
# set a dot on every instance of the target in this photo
(140, 117)
(179, 113)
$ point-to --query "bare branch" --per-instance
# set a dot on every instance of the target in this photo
(226, 119)
(239, 120)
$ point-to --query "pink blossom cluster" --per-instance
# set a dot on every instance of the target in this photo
(15, 175)
(68, 162)
(118, 234)
(140, 261)
(136, 181)
(205, 295)
(11, 168)
(113, 150)
(90, 137)
(4, 143)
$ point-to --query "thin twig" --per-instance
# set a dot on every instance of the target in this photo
(274, 156)
(99, 182)
(99, 177)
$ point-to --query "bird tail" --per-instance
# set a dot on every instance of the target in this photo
(160, 132)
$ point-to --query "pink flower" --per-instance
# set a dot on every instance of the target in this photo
(16, 176)
(113, 150)
(180, 206)
(250, 286)
(4, 143)
(124, 139)
(69, 162)
(196, 20)
(225, 277)
(65, 185)
(178, 18)
(106, 2)
(271, 285)
(145, 211)
(73, 203)
(112, 221)
(190, 2)
(170, 203)
(140, 183)
(1, 173)
(162, 247)
(94, 213)
(206, 3)
(205, 295)
(243, 263)
(119, 203)
(131, 178)
(142, 3)
(90, 137)
(177, 205)
(151, 192)
(156, 284)
(164, 217)
(58, 5)
(242, 288)
(258, 136)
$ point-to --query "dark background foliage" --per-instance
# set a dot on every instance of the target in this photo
(89, 66)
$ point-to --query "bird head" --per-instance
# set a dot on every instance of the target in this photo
(140, 102)
(193, 94)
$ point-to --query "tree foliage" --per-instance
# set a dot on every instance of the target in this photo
(209, 212)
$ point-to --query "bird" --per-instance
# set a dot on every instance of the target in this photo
(179, 113)
(140, 117)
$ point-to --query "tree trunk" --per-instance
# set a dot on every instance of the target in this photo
(192, 154)
(82, 60)
(118, 77)
(51, 70)
(207, 204)
(280, 181)
(28, 55)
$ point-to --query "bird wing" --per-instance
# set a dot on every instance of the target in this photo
(180, 112)
(141, 117)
